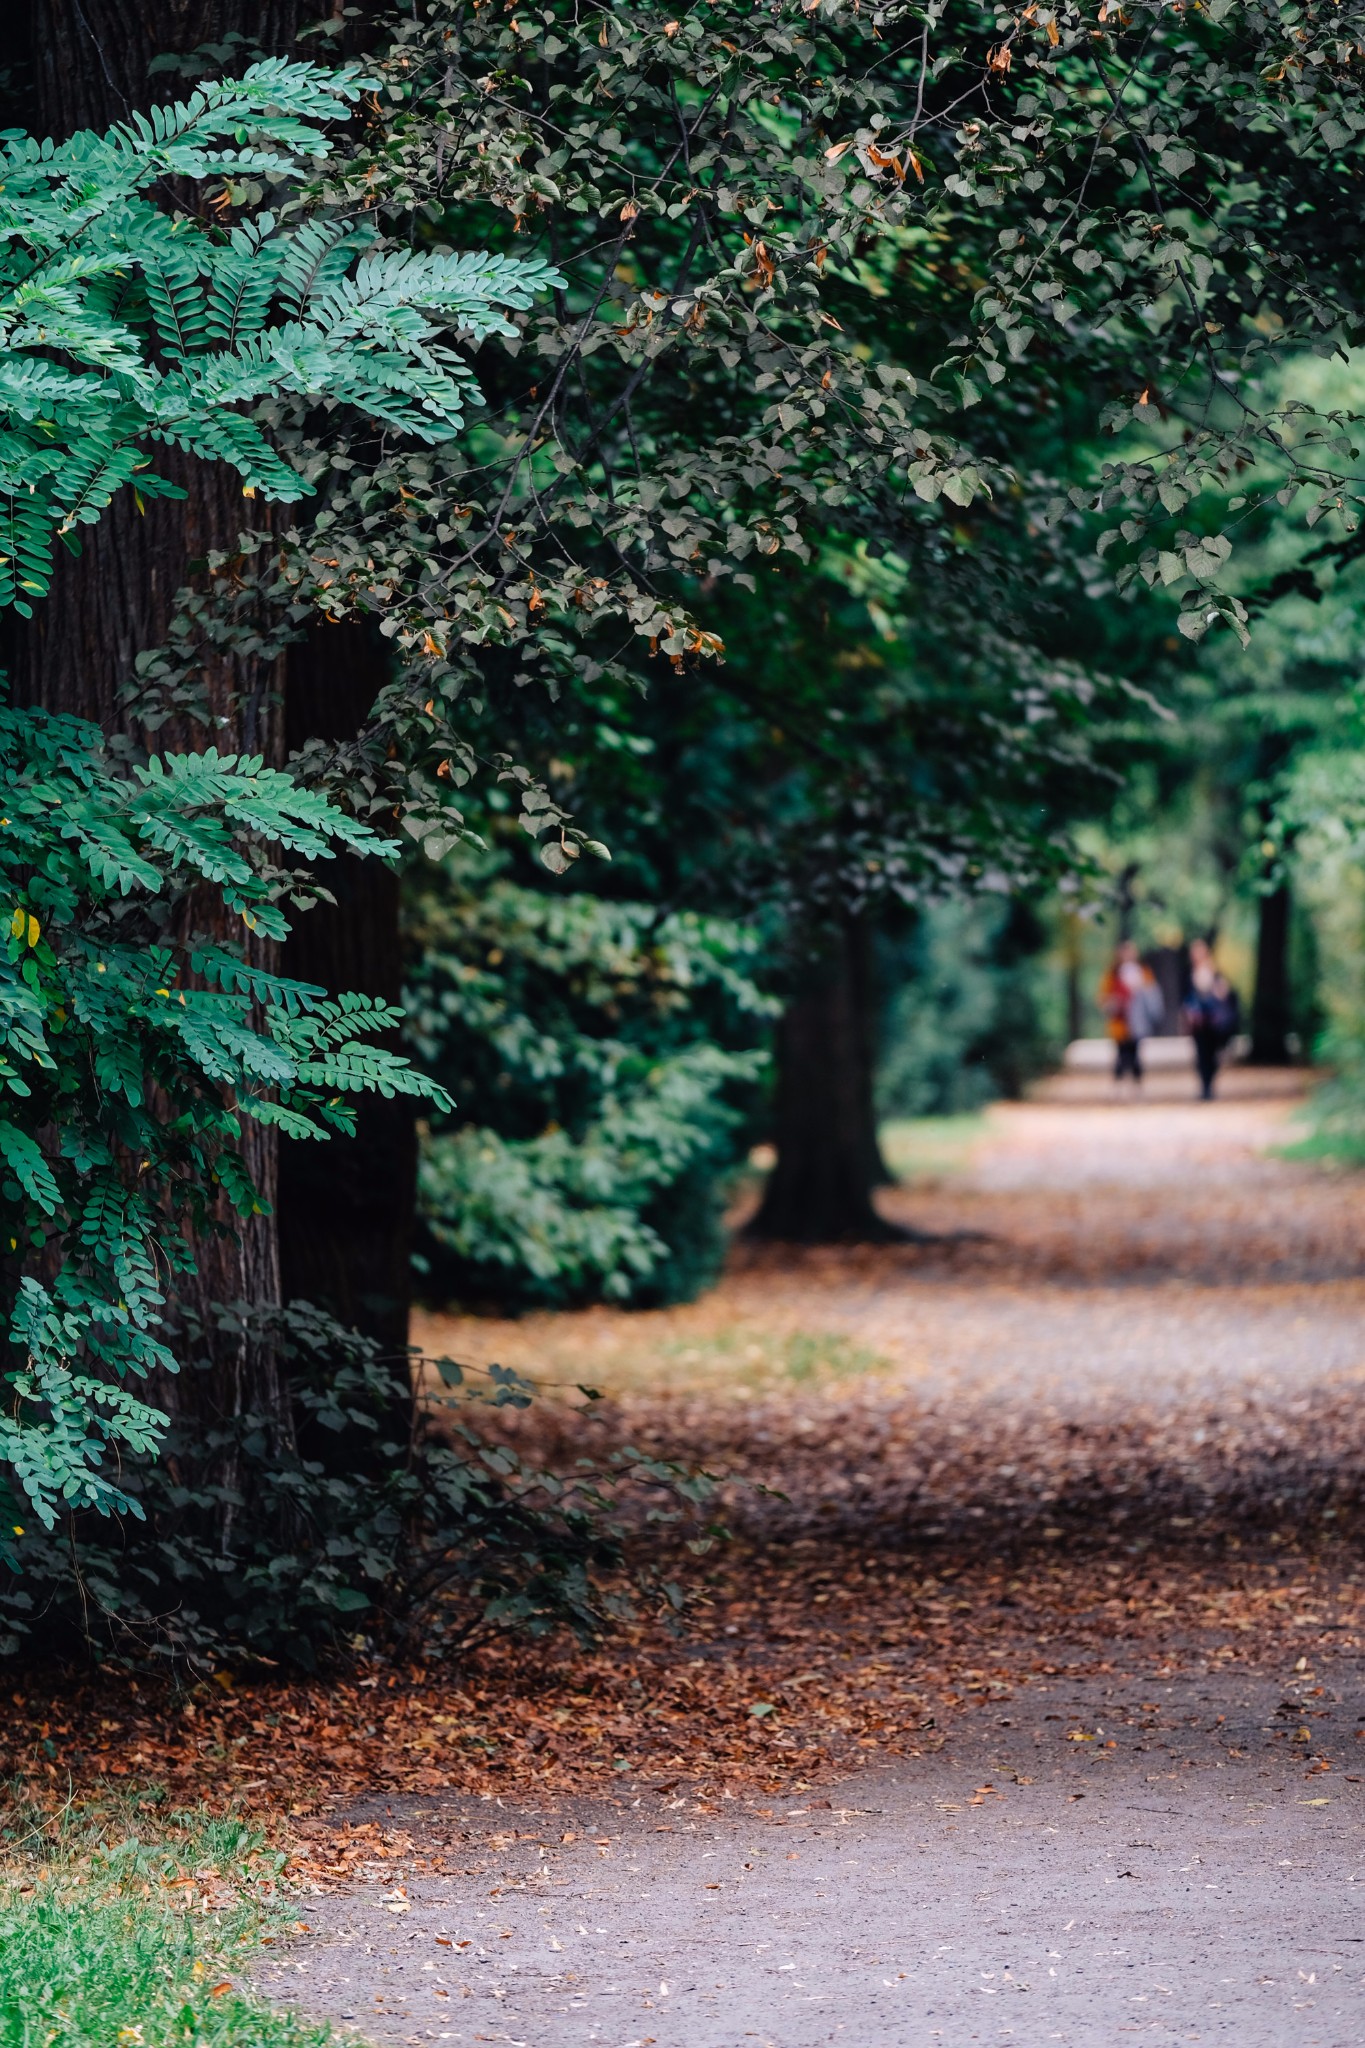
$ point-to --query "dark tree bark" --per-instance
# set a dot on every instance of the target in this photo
(84, 64)
(1270, 1004)
(828, 1159)
(90, 59)
(346, 1207)
(340, 1226)
(1075, 1012)
(1127, 901)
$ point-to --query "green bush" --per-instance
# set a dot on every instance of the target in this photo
(609, 1053)
(969, 1021)
(358, 1531)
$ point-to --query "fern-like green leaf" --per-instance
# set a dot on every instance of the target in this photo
(228, 437)
(24, 1156)
(228, 971)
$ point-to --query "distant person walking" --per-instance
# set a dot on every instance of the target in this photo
(1211, 1014)
(1132, 1005)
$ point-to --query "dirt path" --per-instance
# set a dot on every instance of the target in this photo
(1056, 1599)
(1171, 1876)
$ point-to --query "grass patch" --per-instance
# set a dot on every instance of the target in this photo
(122, 1928)
(930, 1148)
(730, 1343)
(710, 1347)
(1329, 1148)
(761, 1358)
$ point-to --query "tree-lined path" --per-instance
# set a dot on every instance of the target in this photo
(1049, 1645)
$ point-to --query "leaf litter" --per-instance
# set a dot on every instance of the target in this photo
(923, 1515)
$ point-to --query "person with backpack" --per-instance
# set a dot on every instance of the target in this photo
(1211, 1014)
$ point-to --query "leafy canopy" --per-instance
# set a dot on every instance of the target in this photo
(124, 326)
(829, 271)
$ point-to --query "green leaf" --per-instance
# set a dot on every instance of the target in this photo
(25, 1157)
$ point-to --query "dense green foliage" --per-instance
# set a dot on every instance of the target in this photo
(135, 1043)
(971, 1011)
(685, 443)
(830, 272)
(608, 1050)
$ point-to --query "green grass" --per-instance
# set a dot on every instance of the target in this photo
(1333, 1148)
(121, 1928)
(930, 1148)
(760, 1358)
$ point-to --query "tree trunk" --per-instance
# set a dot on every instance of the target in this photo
(89, 59)
(1127, 901)
(86, 63)
(1270, 1006)
(1075, 1013)
(346, 1207)
(341, 1227)
(828, 1160)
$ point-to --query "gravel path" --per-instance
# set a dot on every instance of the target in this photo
(1170, 1876)
(1155, 1834)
